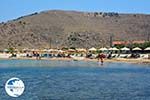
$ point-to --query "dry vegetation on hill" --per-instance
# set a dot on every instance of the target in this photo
(72, 29)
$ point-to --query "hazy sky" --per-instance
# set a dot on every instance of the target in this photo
(11, 9)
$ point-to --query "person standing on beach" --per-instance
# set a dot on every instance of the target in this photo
(37, 56)
(100, 58)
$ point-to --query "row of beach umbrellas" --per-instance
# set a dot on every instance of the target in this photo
(116, 49)
(84, 50)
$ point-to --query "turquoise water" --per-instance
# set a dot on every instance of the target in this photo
(77, 80)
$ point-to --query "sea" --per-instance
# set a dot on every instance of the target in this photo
(76, 80)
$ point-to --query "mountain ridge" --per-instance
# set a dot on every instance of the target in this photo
(58, 28)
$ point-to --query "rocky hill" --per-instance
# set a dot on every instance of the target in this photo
(57, 29)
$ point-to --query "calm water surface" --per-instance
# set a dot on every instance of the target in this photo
(77, 80)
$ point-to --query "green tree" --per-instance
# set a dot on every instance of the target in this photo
(72, 48)
(120, 46)
(11, 50)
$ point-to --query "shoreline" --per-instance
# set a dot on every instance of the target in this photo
(124, 60)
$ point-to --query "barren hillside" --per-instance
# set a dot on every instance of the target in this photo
(59, 29)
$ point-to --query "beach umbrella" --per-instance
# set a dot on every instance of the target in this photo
(16, 50)
(32, 49)
(92, 49)
(136, 49)
(50, 50)
(147, 49)
(81, 50)
(103, 49)
(71, 50)
(44, 50)
(61, 51)
(25, 49)
(37, 50)
(5, 50)
(113, 49)
(125, 49)
(55, 50)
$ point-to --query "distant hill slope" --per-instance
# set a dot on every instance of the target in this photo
(58, 29)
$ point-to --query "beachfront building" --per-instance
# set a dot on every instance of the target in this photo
(125, 43)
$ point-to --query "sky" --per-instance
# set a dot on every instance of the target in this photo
(12, 9)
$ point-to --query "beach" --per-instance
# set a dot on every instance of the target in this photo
(125, 60)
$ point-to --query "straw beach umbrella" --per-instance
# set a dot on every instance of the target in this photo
(125, 49)
(50, 50)
(5, 50)
(37, 50)
(45, 50)
(61, 51)
(113, 49)
(71, 50)
(92, 49)
(147, 49)
(25, 49)
(136, 49)
(103, 49)
(32, 49)
(81, 50)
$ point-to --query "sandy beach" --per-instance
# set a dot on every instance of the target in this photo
(129, 60)
(125, 60)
